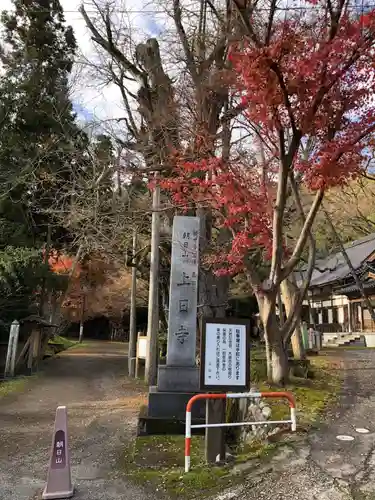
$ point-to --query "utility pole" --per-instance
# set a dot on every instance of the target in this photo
(133, 313)
(153, 294)
(81, 324)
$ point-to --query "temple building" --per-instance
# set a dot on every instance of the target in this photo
(334, 303)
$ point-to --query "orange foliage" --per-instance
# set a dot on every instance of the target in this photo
(103, 288)
(62, 264)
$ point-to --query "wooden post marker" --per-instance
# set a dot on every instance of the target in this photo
(59, 481)
(215, 438)
(12, 349)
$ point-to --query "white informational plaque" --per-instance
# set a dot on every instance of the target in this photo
(225, 355)
(142, 347)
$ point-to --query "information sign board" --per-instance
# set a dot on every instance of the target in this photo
(225, 355)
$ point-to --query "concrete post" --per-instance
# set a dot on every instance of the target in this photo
(12, 349)
(59, 481)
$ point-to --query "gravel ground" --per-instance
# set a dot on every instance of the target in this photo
(323, 467)
(102, 409)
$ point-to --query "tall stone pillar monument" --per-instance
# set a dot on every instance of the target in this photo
(178, 380)
(181, 373)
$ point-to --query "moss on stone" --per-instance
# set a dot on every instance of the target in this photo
(256, 450)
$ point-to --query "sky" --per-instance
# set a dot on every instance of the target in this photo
(93, 102)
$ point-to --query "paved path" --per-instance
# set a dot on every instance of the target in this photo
(102, 408)
(322, 467)
(102, 416)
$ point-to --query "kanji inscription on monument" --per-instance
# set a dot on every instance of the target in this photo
(182, 321)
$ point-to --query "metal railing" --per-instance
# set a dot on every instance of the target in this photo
(188, 426)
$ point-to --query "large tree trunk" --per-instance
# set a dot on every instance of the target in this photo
(288, 297)
(278, 358)
(213, 290)
(213, 294)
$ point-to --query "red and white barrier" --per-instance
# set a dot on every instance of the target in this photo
(258, 395)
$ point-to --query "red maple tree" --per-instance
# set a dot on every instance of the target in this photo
(305, 82)
(63, 264)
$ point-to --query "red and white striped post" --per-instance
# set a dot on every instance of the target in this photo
(189, 426)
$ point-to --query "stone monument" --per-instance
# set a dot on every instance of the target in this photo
(178, 380)
(181, 373)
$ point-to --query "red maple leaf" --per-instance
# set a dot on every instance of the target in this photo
(307, 81)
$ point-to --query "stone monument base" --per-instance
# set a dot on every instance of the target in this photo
(166, 411)
(178, 378)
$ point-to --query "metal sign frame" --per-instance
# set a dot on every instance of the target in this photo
(229, 322)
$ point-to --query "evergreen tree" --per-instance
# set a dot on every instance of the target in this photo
(39, 139)
(40, 145)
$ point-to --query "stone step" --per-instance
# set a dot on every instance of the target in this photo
(341, 340)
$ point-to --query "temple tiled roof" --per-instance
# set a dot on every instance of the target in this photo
(351, 288)
(334, 268)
